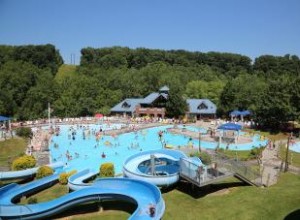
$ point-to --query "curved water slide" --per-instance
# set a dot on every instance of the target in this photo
(170, 172)
(138, 192)
(26, 173)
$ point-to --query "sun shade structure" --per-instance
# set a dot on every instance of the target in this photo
(239, 113)
(3, 118)
(230, 126)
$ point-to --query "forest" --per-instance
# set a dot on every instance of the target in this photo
(31, 76)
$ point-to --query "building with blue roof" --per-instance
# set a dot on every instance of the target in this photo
(154, 105)
(201, 108)
(127, 106)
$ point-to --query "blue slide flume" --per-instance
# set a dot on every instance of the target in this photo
(7, 175)
(141, 193)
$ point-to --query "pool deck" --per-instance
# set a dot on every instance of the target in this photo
(133, 128)
(208, 137)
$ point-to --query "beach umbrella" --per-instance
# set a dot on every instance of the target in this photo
(98, 115)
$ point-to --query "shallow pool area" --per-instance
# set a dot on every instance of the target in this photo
(88, 146)
(295, 147)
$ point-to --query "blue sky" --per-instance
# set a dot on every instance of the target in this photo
(248, 27)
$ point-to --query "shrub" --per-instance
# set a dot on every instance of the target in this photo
(204, 157)
(24, 162)
(32, 200)
(107, 170)
(24, 132)
(63, 177)
(44, 171)
(256, 153)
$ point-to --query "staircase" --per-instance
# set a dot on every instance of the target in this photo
(221, 168)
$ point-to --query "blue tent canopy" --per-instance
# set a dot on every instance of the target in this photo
(3, 118)
(245, 112)
(235, 113)
(240, 113)
(230, 126)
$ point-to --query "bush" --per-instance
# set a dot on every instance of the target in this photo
(32, 200)
(44, 171)
(23, 162)
(24, 132)
(63, 177)
(107, 170)
(204, 157)
(256, 153)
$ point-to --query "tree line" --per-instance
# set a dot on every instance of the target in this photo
(31, 76)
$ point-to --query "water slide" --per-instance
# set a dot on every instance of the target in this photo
(141, 193)
(166, 173)
(26, 173)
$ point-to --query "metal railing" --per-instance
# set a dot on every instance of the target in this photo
(221, 168)
(239, 169)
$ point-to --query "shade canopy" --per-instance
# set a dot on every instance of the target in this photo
(235, 113)
(230, 126)
(3, 118)
(240, 113)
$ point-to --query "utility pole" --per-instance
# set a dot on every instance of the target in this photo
(199, 142)
(49, 119)
(286, 167)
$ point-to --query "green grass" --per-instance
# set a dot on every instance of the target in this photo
(11, 149)
(65, 71)
(294, 157)
(268, 135)
(243, 202)
(48, 194)
(241, 154)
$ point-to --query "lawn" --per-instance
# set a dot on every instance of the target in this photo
(241, 154)
(11, 149)
(230, 199)
(241, 202)
(268, 135)
(294, 157)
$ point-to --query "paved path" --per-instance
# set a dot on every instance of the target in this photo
(272, 164)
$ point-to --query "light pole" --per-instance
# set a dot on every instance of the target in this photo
(286, 167)
(49, 115)
(199, 149)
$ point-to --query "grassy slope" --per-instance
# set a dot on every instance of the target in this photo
(245, 202)
(11, 149)
(294, 157)
(65, 71)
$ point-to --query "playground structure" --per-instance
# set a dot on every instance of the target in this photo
(144, 170)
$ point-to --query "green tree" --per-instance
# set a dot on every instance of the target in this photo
(202, 89)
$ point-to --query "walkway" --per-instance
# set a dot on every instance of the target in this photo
(272, 164)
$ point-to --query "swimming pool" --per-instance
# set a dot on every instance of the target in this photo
(80, 147)
(193, 128)
(295, 147)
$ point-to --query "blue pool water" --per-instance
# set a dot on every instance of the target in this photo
(193, 128)
(295, 147)
(85, 151)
